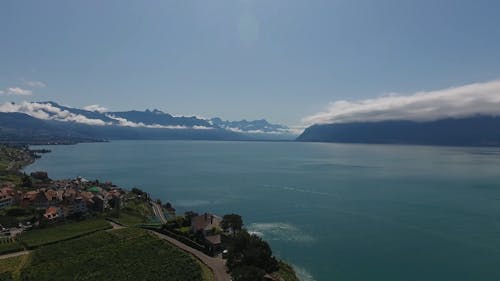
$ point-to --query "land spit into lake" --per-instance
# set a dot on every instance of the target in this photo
(50, 227)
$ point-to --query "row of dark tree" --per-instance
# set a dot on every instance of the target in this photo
(249, 257)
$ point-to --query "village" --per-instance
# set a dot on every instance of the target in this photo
(53, 202)
(60, 199)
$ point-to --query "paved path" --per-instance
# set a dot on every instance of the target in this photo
(11, 255)
(115, 226)
(159, 212)
(217, 265)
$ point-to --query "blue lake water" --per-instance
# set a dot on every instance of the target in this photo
(335, 211)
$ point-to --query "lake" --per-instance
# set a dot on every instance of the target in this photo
(335, 211)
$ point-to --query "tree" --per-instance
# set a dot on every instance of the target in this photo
(27, 181)
(245, 249)
(137, 191)
(248, 273)
(233, 222)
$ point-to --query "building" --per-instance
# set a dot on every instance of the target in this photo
(6, 200)
(214, 243)
(53, 214)
(205, 223)
(99, 203)
(79, 205)
(28, 198)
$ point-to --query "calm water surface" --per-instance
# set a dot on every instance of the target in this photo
(336, 212)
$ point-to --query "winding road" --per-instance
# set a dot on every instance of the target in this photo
(217, 265)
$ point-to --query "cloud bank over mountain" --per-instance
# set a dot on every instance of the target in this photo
(96, 115)
(95, 107)
(48, 111)
(456, 102)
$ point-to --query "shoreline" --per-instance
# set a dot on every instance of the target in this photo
(33, 154)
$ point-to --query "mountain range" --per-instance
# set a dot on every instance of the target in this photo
(49, 122)
(479, 130)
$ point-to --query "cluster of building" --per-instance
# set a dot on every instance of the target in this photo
(64, 198)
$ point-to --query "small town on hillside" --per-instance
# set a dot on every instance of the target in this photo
(55, 201)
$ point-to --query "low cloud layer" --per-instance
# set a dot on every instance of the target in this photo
(287, 131)
(463, 101)
(47, 111)
(127, 123)
(16, 91)
(95, 107)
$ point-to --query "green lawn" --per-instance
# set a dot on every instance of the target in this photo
(51, 234)
(130, 219)
(125, 254)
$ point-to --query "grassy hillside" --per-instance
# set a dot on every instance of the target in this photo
(10, 269)
(124, 254)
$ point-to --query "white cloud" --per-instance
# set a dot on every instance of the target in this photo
(124, 122)
(95, 107)
(196, 127)
(463, 101)
(239, 130)
(36, 84)
(127, 123)
(16, 91)
(287, 131)
(48, 112)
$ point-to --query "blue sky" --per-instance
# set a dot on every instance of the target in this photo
(279, 60)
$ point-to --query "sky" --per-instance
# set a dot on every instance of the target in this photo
(291, 62)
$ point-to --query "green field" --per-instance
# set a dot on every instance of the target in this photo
(10, 269)
(51, 234)
(130, 219)
(124, 254)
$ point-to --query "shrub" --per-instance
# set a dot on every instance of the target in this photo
(246, 249)
(248, 273)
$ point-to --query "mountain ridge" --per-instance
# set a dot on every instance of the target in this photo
(51, 122)
(477, 130)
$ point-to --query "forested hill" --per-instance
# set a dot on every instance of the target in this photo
(470, 131)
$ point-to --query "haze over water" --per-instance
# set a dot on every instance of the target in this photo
(334, 211)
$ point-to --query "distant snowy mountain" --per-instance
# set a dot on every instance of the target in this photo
(256, 126)
(149, 124)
